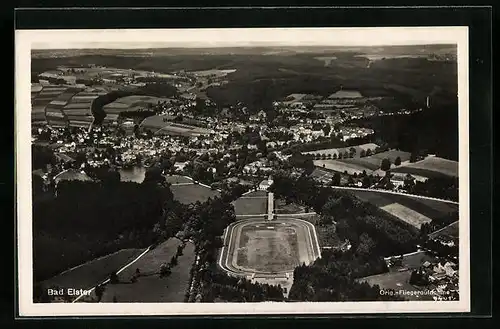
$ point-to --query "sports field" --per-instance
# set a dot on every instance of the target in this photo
(268, 248)
(253, 203)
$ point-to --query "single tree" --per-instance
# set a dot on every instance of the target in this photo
(397, 161)
(99, 291)
(386, 164)
(173, 261)
(336, 179)
(113, 277)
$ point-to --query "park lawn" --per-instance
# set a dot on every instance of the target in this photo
(431, 167)
(87, 275)
(149, 287)
(254, 203)
(187, 194)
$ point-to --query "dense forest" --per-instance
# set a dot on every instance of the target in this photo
(330, 278)
(90, 219)
(434, 130)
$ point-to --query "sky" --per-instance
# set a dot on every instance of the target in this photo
(214, 38)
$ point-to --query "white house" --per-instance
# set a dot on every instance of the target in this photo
(266, 183)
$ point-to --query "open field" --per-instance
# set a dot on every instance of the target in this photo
(406, 214)
(396, 281)
(431, 167)
(149, 287)
(391, 155)
(159, 124)
(191, 193)
(254, 203)
(133, 103)
(340, 166)
(429, 208)
(268, 248)
(374, 161)
(87, 275)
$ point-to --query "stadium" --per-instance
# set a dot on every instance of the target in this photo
(257, 248)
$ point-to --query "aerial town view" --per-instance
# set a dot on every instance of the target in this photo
(245, 174)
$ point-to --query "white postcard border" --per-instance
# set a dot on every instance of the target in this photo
(26, 40)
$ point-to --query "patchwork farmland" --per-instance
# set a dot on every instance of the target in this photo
(132, 103)
(62, 105)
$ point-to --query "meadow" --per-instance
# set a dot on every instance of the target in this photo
(431, 167)
(150, 287)
(187, 194)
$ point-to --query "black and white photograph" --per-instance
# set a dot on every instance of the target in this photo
(242, 171)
